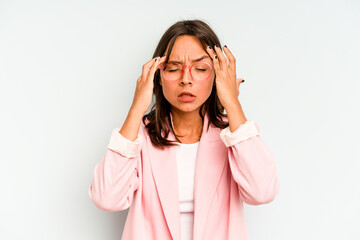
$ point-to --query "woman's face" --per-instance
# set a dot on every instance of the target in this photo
(187, 48)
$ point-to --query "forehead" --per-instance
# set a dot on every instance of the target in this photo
(187, 48)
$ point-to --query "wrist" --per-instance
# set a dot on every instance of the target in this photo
(230, 105)
(136, 112)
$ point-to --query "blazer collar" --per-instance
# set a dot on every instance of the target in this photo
(210, 163)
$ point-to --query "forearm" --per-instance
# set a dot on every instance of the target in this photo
(235, 115)
(253, 168)
(115, 179)
(130, 128)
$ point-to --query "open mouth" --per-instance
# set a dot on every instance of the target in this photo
(186, 97)
(186, 94)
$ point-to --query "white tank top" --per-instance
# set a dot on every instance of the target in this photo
(186, 159)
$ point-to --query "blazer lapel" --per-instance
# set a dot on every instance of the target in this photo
(210, 163)
(164, 167)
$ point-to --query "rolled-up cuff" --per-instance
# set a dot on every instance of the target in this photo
(244, 131)
(124, 146)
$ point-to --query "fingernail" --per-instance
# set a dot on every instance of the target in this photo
(225, 46)
(217, 45)
(210, 47)
(215, 56)
(243, 80)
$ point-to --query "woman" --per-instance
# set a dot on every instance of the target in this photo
(186, 168)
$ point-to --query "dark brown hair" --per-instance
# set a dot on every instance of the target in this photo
(159, 124)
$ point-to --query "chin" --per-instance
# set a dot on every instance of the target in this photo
(186, 109)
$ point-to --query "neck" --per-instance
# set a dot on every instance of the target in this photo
(187, 125)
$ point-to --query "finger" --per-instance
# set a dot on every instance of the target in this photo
(221, 56)
(153, 63)
(214, 58)
(146, 67)
(238, 82)
(230, 56)
(154, 67)
(210, 50)
(160, 62)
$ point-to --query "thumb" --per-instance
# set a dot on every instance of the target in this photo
(238, 82)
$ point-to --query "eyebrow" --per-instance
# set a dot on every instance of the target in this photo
(194, 60)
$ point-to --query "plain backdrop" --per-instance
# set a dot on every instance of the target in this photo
(68, 71)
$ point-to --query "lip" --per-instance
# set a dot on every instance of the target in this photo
(186, 98)
(186, 92)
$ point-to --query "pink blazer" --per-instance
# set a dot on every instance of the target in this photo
(229, 172)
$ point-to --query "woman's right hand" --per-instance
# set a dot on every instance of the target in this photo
(142, 99)
(145, 85)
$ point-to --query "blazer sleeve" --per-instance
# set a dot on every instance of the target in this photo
(117, 176)
(252, 164)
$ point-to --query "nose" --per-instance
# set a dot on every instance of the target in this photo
(186, 77)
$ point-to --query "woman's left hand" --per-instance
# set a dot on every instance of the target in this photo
(227, 85)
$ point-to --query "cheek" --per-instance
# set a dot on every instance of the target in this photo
(168, 91)
(209, 86)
